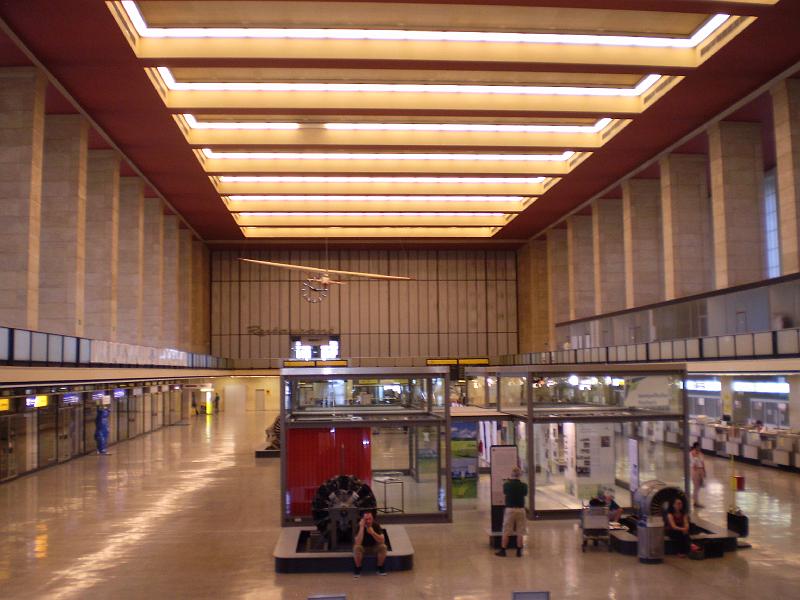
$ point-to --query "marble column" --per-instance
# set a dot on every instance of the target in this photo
(130, 287)
(62, 248)
(170, 303)
(557, 281)
(609, 255)
(641, 205)
(22, 97)
(185, 274)
(532, 297)
(153, 272)
(794, 402)
(726, 394)
(102, 245)
(786, 117)
(686, 223)
(580, 247)
(737, 193)
(201, 312)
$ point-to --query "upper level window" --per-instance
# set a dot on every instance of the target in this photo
(772, 245)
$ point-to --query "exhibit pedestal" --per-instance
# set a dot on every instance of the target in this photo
(268, 453)
(289, 558)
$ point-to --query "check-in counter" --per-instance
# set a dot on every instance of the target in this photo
(773, 447)
(786, 446)
(672, 434)
(733, 445)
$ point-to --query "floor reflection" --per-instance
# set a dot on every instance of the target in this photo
(188, 512)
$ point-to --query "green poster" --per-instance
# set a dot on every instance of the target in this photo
(464, 459)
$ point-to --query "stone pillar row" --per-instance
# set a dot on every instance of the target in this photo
(697, 228)
(85, 253)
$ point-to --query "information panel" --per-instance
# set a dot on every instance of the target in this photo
(504, 459)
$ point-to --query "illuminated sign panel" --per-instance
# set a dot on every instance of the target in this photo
(5, 404)
(36, 401)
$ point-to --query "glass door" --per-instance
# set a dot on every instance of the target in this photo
(25, 437)
(121, 403)
(8, 465)
(70, 427)
(148, 412)
(89, 416)
(47, 416)
(134, 418)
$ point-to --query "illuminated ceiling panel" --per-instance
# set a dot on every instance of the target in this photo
(378, 119)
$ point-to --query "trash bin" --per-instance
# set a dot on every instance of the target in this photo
(737, 482)
(650, 537)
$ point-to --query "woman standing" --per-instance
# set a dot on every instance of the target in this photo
(698, 466)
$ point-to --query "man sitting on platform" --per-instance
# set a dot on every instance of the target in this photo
(370, 539)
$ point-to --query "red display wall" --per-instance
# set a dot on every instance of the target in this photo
(315, 455)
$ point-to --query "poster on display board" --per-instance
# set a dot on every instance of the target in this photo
(504, 459)
(464, 459)
(487, 438)
(652, 391)
(633, 461)
(589, 452)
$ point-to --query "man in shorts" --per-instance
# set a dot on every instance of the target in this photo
(370, 539)
(514, 518)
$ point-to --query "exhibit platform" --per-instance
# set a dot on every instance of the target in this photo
(289, 558)
(714, 539)
(268, 453)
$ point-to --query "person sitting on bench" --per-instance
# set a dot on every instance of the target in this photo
(370, 539)
(677, 528)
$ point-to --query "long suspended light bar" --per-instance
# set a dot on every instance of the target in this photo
(372, 198)
(193, 123)
(369, 219)
(208, 153)
(445, 215)
(470, 127)
(369, 232)
(376, 203)
(378, 179)
(145, 31)
(409, 88)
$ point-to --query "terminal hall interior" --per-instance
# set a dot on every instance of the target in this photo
(498, 299)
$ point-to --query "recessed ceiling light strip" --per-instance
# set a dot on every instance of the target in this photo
(209, 153)
(409, 88)
(373, 214)
(193, 123)
(597, 127)
(360, 179)
(700, 35)
(470, 127)
(362, 198)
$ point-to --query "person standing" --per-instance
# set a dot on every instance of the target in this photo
(698, 467)
(514, 518)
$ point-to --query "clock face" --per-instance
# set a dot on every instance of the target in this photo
(314, 290)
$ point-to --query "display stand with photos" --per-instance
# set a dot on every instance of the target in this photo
(503, 460)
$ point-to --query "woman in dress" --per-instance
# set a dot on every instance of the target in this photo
(698, 467)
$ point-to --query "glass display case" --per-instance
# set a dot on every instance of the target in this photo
(581, 434)
(386, 427)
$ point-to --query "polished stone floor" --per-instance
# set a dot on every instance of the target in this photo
(186, 512)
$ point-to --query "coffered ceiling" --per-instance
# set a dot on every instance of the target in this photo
(377, 120)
